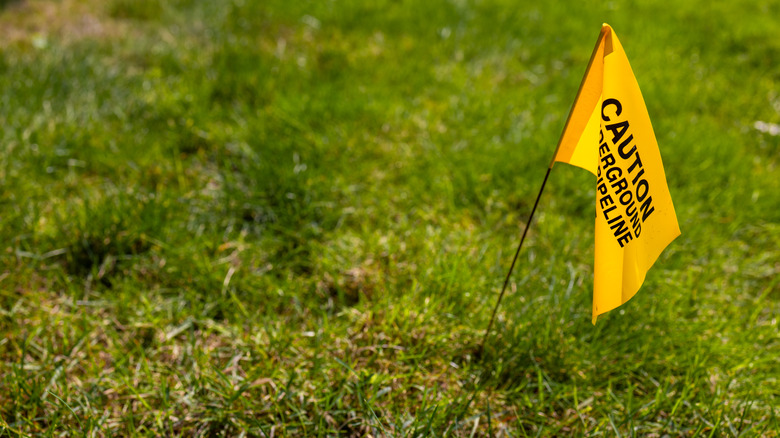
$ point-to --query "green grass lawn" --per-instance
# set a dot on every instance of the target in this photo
(292, 218)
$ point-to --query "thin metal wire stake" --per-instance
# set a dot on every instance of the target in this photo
(511, 268)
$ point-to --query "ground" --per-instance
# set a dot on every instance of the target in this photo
(277, 218)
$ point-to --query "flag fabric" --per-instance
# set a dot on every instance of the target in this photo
(608, 133)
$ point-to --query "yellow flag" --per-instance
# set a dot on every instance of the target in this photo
(608, 133)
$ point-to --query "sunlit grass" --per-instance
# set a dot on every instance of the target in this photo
(293, 219)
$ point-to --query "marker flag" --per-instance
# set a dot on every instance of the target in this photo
(608, 133)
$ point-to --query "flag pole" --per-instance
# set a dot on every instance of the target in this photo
(604, 30)
(549, 168)
(514, 261)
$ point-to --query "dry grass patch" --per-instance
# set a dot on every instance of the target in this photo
(39, 22)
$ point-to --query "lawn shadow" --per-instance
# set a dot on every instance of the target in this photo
(6, 3)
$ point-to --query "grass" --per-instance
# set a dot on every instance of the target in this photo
(293, 219)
